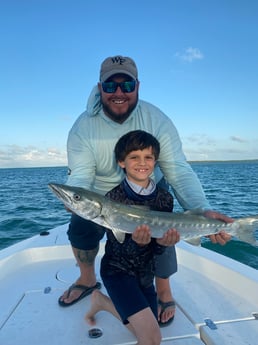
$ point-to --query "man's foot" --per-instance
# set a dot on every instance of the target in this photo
(166, 304)
(99, 302)
(75, 293)
(166, 312)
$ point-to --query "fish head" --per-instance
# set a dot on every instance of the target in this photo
(79, 200)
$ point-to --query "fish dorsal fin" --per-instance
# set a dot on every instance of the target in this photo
(140, 207)
(195, 212)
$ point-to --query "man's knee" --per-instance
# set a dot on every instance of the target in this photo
(86, 256)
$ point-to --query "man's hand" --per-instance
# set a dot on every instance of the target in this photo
(222, 237)
(170, 238)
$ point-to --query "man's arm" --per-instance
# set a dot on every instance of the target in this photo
(81, 160)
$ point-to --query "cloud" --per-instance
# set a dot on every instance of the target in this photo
(201, 140)
(30, 156)
(190, 54)
(238, 139)
(202, 147)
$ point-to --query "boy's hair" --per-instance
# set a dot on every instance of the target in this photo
(136, 140)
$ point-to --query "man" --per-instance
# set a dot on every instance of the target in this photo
(114, 109)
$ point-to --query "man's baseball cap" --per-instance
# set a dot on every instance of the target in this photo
(118, 65)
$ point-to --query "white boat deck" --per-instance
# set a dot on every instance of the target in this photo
(35, 272)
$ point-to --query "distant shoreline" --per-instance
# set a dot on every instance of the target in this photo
(189, 161)
(226, 161)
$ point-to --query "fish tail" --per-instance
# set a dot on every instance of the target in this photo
(245, 229)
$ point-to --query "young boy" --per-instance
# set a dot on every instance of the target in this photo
(127, 269)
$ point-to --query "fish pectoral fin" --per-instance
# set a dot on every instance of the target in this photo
(119, 235)
(195, 241)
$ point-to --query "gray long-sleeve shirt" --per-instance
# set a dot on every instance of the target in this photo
(91, 159)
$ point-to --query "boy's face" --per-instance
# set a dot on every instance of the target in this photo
(139, 165)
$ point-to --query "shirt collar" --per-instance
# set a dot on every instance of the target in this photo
(141, 190)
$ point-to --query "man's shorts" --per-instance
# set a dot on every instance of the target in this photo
(166, 263)
(85, 235)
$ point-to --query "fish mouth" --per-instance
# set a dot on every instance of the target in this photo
(54, 188)
(59, 192)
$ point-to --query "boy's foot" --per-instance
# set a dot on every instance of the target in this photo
(99, 302)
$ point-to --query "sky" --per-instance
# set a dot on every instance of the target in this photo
(197, 62)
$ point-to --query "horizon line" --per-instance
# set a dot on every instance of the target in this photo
(189, 161)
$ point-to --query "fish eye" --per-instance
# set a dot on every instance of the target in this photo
(77, 197)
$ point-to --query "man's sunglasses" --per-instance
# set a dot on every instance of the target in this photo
(125, 86)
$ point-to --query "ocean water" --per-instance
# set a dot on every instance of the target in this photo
(27, 206)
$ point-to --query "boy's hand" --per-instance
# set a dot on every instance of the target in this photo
(142, 235)
(171, 237)
(222, 237)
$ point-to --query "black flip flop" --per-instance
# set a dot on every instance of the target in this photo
(86, 290)
(164, 306)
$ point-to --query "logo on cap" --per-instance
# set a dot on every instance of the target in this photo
(118, 59)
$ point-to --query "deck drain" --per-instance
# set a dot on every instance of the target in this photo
(95, 333)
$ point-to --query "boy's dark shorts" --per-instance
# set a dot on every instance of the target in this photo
(128, 296)
(85, 235)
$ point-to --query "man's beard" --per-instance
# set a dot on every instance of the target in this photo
(119, 118)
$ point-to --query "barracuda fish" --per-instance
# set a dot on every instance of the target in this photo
(121, 219)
